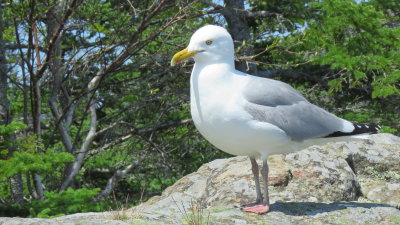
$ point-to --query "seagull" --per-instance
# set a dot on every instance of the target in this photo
(242, 114)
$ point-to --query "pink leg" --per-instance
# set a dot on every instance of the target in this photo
(264, 173)
(261, 205)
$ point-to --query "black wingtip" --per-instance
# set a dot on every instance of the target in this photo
(359, 128)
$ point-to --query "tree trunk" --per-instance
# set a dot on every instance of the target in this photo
(16, 184)
(56, 68)
(4, 105)
(74, 168)
(17, 189)
(35, 92)
(235, 16)
(63, 113)
(113, 181)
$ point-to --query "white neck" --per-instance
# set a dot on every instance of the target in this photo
(207, 82)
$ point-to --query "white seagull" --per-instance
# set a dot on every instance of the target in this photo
(248, 115)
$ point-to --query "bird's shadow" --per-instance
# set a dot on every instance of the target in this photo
(314, 208)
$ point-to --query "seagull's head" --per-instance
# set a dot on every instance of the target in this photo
(209, 44)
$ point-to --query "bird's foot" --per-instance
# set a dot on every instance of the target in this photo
(258, 208)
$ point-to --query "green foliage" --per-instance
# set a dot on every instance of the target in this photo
(26, 155)
(352, 39)
(284, 15)
(24, 161)
(58, 204)
(67, 202)
(7, 133)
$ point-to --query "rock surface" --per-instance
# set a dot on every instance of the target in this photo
(338, 183)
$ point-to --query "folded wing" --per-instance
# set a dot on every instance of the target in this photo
(279, 104)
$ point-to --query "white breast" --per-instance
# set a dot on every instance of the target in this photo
(217, 112)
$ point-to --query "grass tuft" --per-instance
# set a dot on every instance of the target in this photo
(195, 214)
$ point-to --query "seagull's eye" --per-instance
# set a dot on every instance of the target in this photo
(208, 42)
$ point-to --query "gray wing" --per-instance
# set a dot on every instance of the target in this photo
(278, 103)
(268, 92)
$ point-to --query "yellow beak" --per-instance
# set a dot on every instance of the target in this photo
(183, 55)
